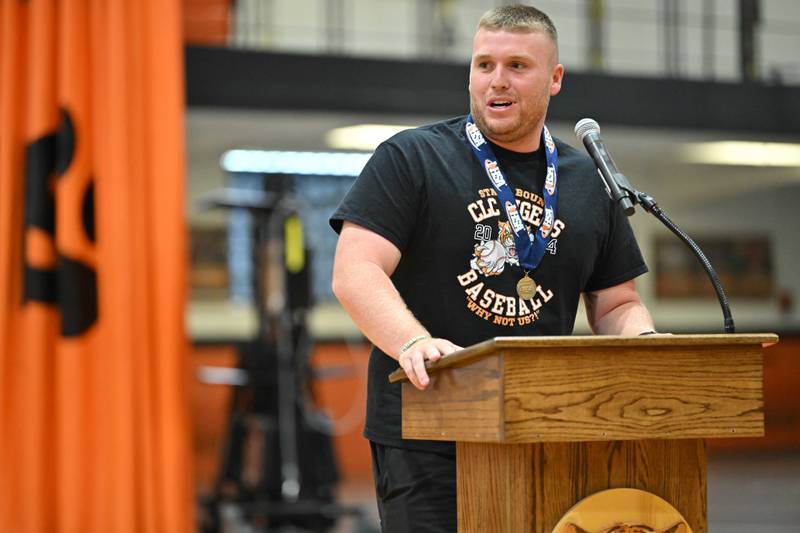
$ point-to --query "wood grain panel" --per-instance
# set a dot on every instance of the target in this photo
(496, 344)
(781, 405)
(459, 404)
(495, 487)
(529, 487)
(621, 393)
(674, 470)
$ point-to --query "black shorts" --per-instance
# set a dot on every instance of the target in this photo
(416, 490)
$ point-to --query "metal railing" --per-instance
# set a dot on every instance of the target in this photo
(726, 40)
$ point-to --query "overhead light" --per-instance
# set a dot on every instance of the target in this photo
(744, 153)
(280, 162)
(362, 136)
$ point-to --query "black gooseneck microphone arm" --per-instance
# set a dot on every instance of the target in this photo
(649, 204)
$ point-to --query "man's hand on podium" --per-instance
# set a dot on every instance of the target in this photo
(412, 360)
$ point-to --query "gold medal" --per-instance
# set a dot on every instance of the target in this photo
(526, 287)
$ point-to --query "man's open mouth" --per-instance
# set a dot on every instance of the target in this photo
(500, 103)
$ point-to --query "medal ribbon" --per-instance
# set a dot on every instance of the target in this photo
(530, 247)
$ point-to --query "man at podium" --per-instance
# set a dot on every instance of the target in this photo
(472, 228)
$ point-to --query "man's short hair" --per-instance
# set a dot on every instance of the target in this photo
(519, 18)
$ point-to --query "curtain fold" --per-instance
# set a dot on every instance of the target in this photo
(94, 426)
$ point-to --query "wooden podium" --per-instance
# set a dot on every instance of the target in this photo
(543, 422)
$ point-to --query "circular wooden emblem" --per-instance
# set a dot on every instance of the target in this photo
(622, 511)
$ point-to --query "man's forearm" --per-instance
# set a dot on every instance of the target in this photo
(372, 301)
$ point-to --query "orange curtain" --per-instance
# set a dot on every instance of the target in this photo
(94, 433)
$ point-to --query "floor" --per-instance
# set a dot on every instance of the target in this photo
(754, 493)
(358, 494)
(746, 494)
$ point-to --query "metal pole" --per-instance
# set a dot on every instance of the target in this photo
(595, 11)
(749, 17)
(708, 39)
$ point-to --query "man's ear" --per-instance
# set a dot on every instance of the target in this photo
(558, 76)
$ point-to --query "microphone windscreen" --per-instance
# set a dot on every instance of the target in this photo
(586, 126)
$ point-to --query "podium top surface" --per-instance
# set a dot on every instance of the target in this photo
(589, 341)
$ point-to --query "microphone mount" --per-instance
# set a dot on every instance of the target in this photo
(624, 194)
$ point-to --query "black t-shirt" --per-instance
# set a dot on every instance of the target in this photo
(425, 191)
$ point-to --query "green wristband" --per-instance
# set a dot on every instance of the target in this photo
(412, 341)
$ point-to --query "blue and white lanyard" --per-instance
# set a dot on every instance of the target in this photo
(530, 250)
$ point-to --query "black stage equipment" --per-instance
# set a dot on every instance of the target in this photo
(278, 471)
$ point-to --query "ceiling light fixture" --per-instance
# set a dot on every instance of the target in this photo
(308, 163)
(361, 136)
(743, 153)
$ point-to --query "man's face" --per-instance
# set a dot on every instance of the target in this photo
(512, 77)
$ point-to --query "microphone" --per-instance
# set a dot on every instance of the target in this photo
(588, 132)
